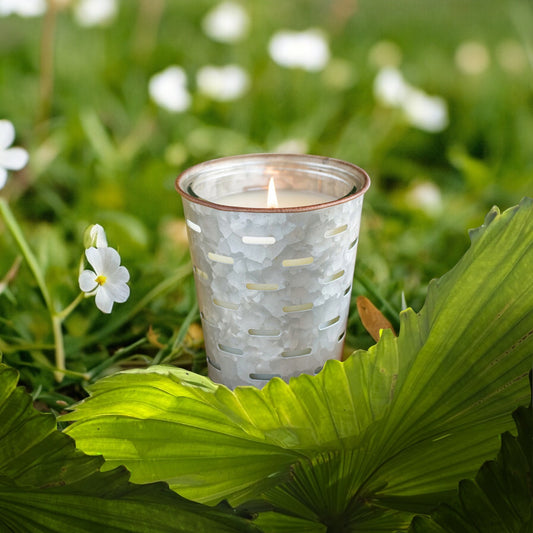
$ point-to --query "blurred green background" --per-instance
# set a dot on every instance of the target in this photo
(103, 151)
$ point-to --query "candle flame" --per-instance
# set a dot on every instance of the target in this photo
(272, 198)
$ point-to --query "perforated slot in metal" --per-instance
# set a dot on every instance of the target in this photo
(262, 286)
(296, 308)
(336, 231)
(230, 349)
(248, 239)
(213, 363)
(263, 377)
(193, 226)
(225, 305)
(329, 323)
(347, 290)
(264, 332)
(296, 353)
(220, 258)
(352, 244)
(200, 273)
(341, 336)
(333, 277)
(301, 261)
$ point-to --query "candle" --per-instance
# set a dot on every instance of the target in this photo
(273, 272)
(275, 198)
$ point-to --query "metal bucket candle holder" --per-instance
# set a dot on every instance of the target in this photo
(273, 283)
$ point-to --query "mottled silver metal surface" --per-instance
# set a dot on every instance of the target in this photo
(273, 287)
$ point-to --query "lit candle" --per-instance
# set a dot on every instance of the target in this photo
(273, 269)
(273, 198)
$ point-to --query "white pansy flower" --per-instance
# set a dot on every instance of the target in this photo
(472, 58)
(223, 83)
(168, 89)
(308, 49)
(23, 8)
(10, 158)
(425, 112)
(95, 12)
(428, 113)
(108, 280)
(226, 23)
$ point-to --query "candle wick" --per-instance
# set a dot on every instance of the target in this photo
(272, 198)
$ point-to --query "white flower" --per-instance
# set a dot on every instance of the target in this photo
(308, 49)
(292, 146)
(227, 23)
(108, 279)
(428, 113)
(10, 158)
(95, 236)
(472, 58)
(385, 54)
(23, 8)
(390, 87)
(223, 83)
(95, 12)
(427, 197)
(168, 89)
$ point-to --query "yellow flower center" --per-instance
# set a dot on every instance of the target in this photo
(101, 279)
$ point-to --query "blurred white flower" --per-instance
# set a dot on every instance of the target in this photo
(95, 236)
(472, 58)
(427, 197)
(308, 49)
(428, 113)
(222, 83)
(168, 89)
(512, 56)
(95, 12)
(23, 8)
(292, 146)
(390, 87)
(385, 54)
(108, 280)
(10, 158)
(227, 23)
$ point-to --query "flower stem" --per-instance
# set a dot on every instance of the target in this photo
(25, 249)
(56, 318)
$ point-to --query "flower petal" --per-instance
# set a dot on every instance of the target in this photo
(7, 134)
(110, 260)
(103, 300)
(120, 275)
(118, 292)
(87, 281)
(14, 158)
(94, 256)
(3, 177)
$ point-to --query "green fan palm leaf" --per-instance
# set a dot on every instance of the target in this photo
(381, 436)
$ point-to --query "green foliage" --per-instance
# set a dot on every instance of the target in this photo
(46, 485)
(501, 497)
(364, 444)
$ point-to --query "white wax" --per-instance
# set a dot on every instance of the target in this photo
(286, 198)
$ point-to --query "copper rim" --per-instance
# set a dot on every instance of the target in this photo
(323, 160)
